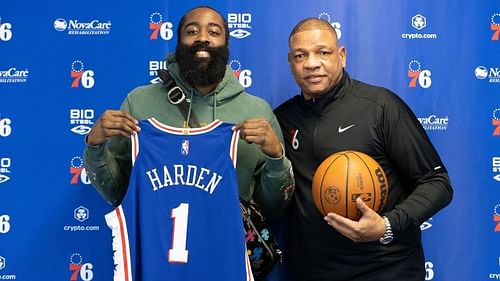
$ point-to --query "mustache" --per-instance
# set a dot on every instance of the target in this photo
(202, 46)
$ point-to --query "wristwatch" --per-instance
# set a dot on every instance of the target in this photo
(388, 236)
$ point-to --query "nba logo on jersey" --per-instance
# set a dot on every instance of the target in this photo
(185, 147)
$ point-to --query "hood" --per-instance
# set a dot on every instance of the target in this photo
(228, 89)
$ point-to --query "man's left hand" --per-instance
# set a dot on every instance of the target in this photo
(370, 227)
(260, 132)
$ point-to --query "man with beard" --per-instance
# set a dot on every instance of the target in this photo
(199, 67)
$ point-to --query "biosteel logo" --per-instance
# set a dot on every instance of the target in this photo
(154, 67)
(239, 25)
(78, 27)
(81, 120)
(80, 76)
(495, 164)
(243, 75)
(418, 77)
(159, 29)
(495, 26)
(336, 25)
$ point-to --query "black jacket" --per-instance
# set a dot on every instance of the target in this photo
(373, 120)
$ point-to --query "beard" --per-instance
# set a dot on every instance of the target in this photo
(202, 71)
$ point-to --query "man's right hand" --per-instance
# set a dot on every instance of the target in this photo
(112, 123)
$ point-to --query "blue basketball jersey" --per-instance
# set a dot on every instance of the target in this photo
(180, 219)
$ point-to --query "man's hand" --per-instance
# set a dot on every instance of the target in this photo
(370, 227)
(260, 132)
(112, 123)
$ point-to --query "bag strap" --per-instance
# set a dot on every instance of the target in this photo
(176, 96)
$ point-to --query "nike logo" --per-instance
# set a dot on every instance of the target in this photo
(341, 130)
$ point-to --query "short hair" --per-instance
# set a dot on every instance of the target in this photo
(312, 24)
(183, 19)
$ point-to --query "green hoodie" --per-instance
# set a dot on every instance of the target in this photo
(268, 181)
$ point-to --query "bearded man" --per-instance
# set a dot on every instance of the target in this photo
(199, 67)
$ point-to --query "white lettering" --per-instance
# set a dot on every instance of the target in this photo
(155, 180)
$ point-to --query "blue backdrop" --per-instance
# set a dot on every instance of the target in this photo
(62, 63)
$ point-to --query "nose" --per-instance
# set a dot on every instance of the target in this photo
(203, 37)
(312, 61)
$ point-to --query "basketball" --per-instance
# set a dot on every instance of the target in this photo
(345, 176)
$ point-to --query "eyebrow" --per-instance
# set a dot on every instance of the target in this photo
(197, 24)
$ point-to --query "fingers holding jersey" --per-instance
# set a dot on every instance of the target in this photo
(260, 132)
(112, 123)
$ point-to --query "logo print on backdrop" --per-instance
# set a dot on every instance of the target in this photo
(80, 269)
(492, 73)
(429, 270)
(4, 224)
(418, 76)
(495, 26)
(76, 27)
(240, 22)
(419, 22)
(81, 76)
(78, 171)
(495, 164)
(243, 75)
(496, 122)
(154, 66)
(81, 214)
(2, 262)
(5, 164)
(81, 120)
(158, 27)
(496, 217)
(5, 30)
(5, 128)
(336, 25)
(434, 123)
(14, 75)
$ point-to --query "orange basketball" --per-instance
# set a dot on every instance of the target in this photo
(345, 176)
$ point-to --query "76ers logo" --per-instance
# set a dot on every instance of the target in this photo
(418, 76)
(80, 269)
(5, 31)
(496, 217)
(495, 26)
(164, 29)
(81, 76)
(78, 171)
(496, 122)
(243, 75)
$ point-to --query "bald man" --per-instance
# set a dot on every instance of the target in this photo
(334, 113)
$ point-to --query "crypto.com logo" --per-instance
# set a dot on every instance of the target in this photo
(81, 76)
(418, 76)
(78, 171)
(418, 21)
(243, 75)
(158, 27)
(496, 122)
(5, 30)
(80, 269)
(336, 25)
(495, 26)
(81, 214)
(496, 217)
(240, 22)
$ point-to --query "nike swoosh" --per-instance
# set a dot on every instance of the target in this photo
(341, 130)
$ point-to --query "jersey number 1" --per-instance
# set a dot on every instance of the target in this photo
(178, 252)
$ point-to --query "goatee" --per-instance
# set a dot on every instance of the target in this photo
(203, 71)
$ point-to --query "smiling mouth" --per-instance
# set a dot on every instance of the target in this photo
(202, 54)
(313, 78)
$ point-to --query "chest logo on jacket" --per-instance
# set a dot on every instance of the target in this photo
(341, 130)
(295, 140)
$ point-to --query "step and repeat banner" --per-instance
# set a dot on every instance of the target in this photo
(62, 63)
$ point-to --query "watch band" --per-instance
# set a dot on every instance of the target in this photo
(388, 235)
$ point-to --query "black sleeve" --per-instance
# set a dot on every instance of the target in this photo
(425, 183)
